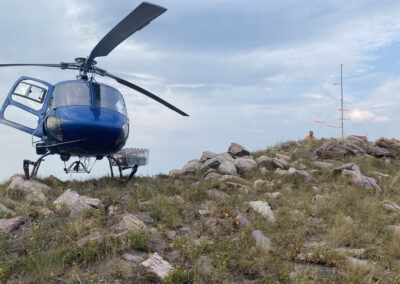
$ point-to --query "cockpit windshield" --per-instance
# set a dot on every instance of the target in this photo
(108, 97)
(78, 94)
(71, 94)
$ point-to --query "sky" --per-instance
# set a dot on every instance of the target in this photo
(253, 72)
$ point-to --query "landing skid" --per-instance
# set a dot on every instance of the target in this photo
(130, 158)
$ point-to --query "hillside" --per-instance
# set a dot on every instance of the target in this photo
(326, 211)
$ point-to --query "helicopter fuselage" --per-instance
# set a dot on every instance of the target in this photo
(74, 118)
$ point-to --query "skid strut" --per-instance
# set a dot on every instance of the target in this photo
(114, 162)
(36, 166)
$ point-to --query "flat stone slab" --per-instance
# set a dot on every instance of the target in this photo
(156, 264)
(129, 222)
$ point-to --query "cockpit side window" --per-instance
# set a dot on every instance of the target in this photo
(70, 94)
(108, 97)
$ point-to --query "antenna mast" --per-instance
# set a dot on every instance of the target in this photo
(341, 94)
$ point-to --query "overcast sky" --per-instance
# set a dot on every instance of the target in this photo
(254, 72)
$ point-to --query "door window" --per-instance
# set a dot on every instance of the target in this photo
(21, 117)
(30, 93)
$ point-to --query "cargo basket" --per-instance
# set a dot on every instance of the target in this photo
(130, 157)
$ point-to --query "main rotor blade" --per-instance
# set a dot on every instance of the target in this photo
(143, 91)
(28, 64)
(136, 20)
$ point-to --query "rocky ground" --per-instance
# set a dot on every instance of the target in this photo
(324, 211)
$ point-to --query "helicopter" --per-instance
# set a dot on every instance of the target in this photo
(81, 118)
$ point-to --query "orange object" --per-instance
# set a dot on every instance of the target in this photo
(337, 84)
(332, 126)
(342, 109)
(317, 121)
(343, 118)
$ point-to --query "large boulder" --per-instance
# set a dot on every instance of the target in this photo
(264, 161)
(227, 168)
(393, 145)
(238, 150)
(245, 164)
(207, 155)
(35, 189)
(214, 163)
(75, 202)
(191, 167)
(9, 225)
(332, 149)
(261, 240)
(300, 173)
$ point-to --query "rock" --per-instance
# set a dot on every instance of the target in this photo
(320, 198)
(191, 167)
(135, 257)
(238, 150)
(280, 163)
(242, 220)
(112, 209)
(314, 244)
(391, 205)
(6, 210)
(259, 183)
(245, 164)
(357, 179)
(300, 173)
(130, 222)
(214, 163)
(212, 176)
(321, 164)
(319, 270)
(238, 186)
(357, 263)
(264, 161)
(156, 264)
(157, 242)
(235, 179)
(274, 195)
(177, 198)
(351, 252)
(332, 149)
(263, 170)
(9, 225)
(171, 234)
(45, 211)
(146, 219)
(281, 172)
(204, 212)
(261, 240)
(392, 145)
(394, 228)
(207, 155)
(34, 188)
(283, 157)
(356, 138)
(75, 202)
(227, 168)
(174, 172)
(264, 209)
(378, 151)
(213, 192)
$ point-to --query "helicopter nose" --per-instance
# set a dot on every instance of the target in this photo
(99, 129)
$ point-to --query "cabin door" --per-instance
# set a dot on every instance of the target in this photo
(25, 105)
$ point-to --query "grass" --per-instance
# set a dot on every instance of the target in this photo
(212, 248)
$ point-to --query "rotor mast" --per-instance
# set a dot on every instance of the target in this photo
(341, 95)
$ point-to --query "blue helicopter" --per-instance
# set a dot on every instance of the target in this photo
(81, 118)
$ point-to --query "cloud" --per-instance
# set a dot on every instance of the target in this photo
(359, 115)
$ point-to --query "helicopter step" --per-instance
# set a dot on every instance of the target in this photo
(128, 158)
